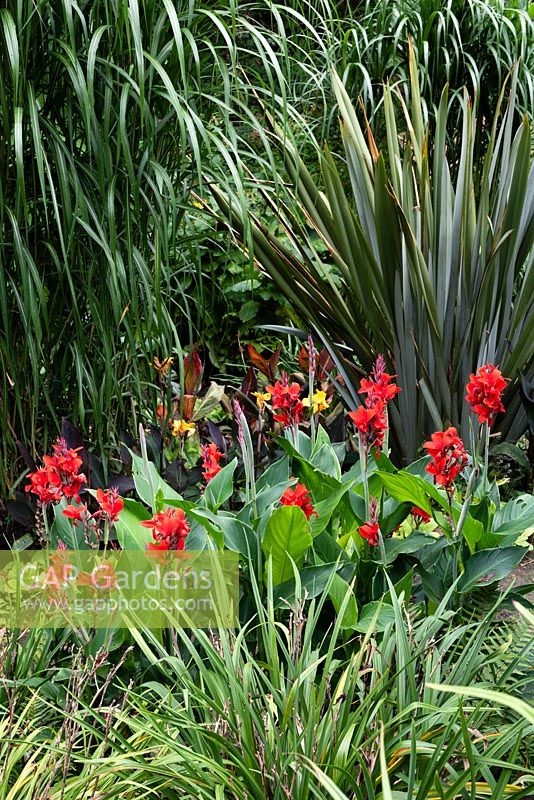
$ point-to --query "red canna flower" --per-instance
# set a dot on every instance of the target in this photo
(448, 456)
(371, 419)
(211, 455)
(64, 459)
(75, 512)
(484, 392)
(169, 529)
(370, 531)
(110, 503)
(299, 496)
(363, 418)
(285, 401)
(160, 545)
(46, 484)
(60, 476)
(371, 424)
(419, 515)
(379, 387)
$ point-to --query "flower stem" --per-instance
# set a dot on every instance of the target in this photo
(362, 446)
(311, 380)
(486, 458)
(295, 434)
(468, 494)
(42, 524)
(455, 541)
(457, 529)
(106, 534)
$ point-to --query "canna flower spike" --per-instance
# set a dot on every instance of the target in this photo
(77, 513)
(211, 455)
(379, 386)
(484, 393)
(371, 424)
(371, 419)
(169, 529)
(370, 531)
(448, 457)
(299, 496)
(285, 401)
(110, 503)
(179, 427)
(320, 403)
(420, 516)
(60, 477)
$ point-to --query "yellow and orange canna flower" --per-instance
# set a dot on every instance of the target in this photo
(162, 367)
(320, 402)
(261, 399)
(179, 427)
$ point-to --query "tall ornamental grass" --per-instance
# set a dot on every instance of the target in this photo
(281, 708)
(104, 116)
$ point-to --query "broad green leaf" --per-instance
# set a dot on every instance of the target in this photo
(23, 542)
(403, 586)
(321, 437)
(514, 522)
(228, 531)
(418, 468)
(377, 612)
(64, 529)
(287, 536)
(411, 545)
(209, 402)
(106, 640)
(512, 451)
(238, 536)
(428, 557)
(249, 310)
(433, 585)
(221, 487)
(492, 539)
(149, 484)
(337, 594)
(408, 488)
(303, 448)
(208, 519)
(326, 461)
(131, 535)
(394, 514)
(472, 531)
(276, 473)
(319, 483)
(328, 550)
(325, 508)
(270, 495)
(488, 566)
(313, 581)
(199, 537)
